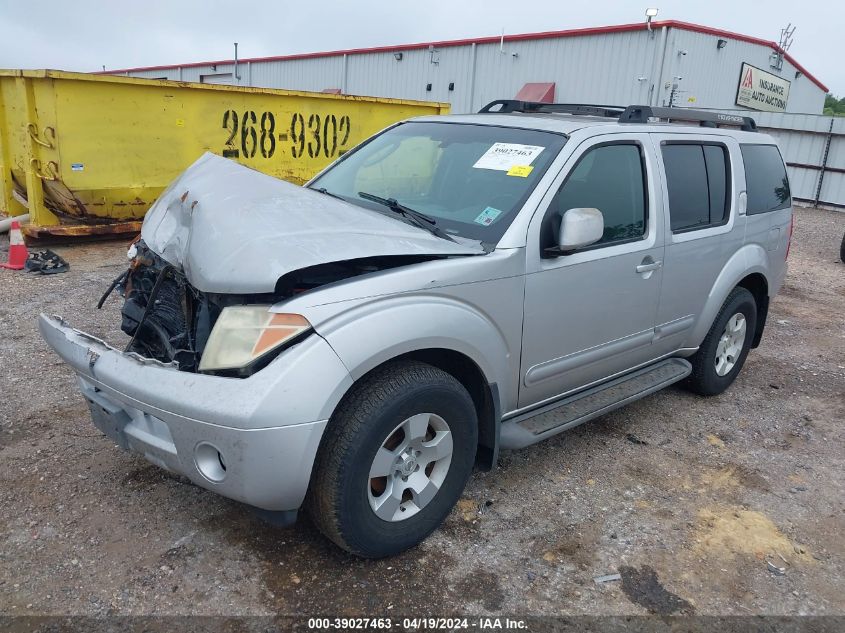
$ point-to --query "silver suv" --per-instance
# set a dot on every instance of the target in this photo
(451, 287)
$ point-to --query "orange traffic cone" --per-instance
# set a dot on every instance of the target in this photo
(17, 249)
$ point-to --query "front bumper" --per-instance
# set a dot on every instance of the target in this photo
(253, 440)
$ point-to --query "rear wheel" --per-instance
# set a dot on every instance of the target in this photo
(722, 354)
(395, 458)
(842, 250)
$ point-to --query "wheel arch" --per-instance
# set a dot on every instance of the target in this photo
(484, 394)
(747, 268)
(758, 286)
(444, 331)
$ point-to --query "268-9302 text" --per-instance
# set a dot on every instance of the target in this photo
(254, 134)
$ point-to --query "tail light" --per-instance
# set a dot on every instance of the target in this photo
(789, 239)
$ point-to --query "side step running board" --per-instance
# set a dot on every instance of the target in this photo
(559, 416)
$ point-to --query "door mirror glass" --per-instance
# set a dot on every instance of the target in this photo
(579, 227)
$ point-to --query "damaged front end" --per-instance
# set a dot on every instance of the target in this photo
(171, 321)
(167, 319)
(222, 236)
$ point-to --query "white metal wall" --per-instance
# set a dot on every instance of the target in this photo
(590, 69)
(711, 75)
(313, 74)
(612, 68)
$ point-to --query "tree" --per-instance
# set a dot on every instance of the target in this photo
(834, 106)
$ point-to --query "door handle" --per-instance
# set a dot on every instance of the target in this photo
(648, 267)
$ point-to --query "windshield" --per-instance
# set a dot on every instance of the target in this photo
(470, 179)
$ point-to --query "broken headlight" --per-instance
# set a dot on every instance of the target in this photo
(246, 338)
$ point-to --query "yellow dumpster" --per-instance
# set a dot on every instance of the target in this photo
(88, 154)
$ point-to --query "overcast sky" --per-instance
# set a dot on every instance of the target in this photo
(84, 35)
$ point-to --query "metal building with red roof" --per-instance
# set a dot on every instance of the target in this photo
(662, 63)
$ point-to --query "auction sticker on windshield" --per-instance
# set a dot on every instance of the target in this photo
(504, 156)
(523, 171)
(487, 216)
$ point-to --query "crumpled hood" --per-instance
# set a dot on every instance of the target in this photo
(232, 229)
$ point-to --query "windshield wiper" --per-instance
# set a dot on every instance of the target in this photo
(325, 191)
(419, 219)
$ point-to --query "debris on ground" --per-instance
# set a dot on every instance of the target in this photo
(777, 571)
(607, 578)
(45, 262)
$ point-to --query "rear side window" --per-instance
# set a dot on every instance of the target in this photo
(766, 182)
(697, 177)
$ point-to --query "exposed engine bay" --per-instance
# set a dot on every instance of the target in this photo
(169, 320)
(223, 235)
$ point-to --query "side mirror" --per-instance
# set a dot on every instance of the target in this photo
(579, 227)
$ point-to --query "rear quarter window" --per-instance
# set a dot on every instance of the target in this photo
(766, 182)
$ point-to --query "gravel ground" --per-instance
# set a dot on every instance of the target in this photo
(689, 499)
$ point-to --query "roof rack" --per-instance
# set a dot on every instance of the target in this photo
(643, 114)
(630, 114)
(506, 106)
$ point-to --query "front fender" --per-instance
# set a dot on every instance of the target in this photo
(750, 259)
(373, 333)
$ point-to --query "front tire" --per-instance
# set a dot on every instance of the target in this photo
(722, 354)
(394, 460)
